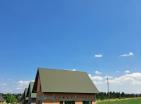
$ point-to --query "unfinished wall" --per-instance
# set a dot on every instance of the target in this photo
(78, 102)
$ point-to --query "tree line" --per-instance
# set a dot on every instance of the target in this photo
(113, 95)
(11, 98)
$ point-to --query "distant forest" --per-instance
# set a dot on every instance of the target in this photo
(113, 95)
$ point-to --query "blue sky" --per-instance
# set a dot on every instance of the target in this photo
(68, 34)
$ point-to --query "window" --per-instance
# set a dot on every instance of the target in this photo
(87, 102)
(69, 102)
(61, 102)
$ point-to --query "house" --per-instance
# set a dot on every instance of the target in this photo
(24, 98)
(55, 86)
(1, 99)
(30, 95)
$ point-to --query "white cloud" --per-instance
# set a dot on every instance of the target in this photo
(22, 84)
(129, 82)
(98, 72)
(127, 54)
(97, 79)
(98, 55)
(127, 71)
(109, 77)
(12, 86)
(73, 69)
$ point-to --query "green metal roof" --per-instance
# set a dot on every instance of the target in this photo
(65, 81)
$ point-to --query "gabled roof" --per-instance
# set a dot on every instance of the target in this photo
(25, 92)
(29, 91)
(23, 97)
(64, 81)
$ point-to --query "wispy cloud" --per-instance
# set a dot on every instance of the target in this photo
(127, 54)
(73, 69)
(127, 71)
(22, 84)
(98, 55)
(98, 72)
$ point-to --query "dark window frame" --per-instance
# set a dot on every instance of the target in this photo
(86, 102)
(61, 102)
(73, 102)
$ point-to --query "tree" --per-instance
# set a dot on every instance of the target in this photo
(10, 98)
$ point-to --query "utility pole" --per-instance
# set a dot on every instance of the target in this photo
(108, 89)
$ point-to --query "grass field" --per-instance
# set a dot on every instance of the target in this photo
(121, 101)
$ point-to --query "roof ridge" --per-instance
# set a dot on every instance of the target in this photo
(59, 69)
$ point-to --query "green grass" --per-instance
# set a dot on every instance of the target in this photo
(121, 101)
